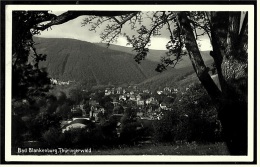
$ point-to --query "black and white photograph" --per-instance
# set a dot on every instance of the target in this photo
(130, 83)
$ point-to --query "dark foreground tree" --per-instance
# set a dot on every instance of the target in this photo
(228, 35)
(28, 79)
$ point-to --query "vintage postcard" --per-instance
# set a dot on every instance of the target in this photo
(133, 83)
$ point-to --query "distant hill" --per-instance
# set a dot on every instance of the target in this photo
(155, 55)
(70, 59)
(169, 78)
(180, 77)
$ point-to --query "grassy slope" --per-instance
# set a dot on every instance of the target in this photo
(153, 149)
(168, 149)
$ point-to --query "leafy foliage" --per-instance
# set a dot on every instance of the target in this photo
(128, 130)
(194, 118)
(53, 137)
(228, 36)
(28, 79)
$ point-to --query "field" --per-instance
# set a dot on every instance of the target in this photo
(147, 149)
(168, 149)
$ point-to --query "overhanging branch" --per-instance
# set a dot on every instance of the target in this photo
(70, 15)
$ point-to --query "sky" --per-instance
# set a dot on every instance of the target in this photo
(73, 29)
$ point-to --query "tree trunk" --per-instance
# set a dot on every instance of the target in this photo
(230, 56)
(196, 58)
(233, 75)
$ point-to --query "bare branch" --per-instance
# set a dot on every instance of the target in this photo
(118, 22)
(113, 27)
(169, 28)
(125, 19)
(70, 15)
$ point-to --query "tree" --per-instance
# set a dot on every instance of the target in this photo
(228, 40)
(106, 102)
(64, 110)
(118, 110)
(129, 124)
(75, 95)
(28, 79)
(197, 116)
(61, 97)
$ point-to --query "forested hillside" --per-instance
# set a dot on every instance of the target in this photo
(95, 64)
(69, 59)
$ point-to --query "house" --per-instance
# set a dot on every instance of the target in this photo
(159, 116)
(140, 102)
(102, 110)
(115, 101)
(159, 92)
(175, 90)
(124, 91)
(93, 114)
(167, 90)
(108, 92)
(163, 106)
(146, 91)
(149, 100)
(138, 97)
(54, 81)
(94, 111)
(113, 91)
(77, 124)
(119, 90)
(63, 83)
(122, 97)
(132, 98)
(132, 92)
